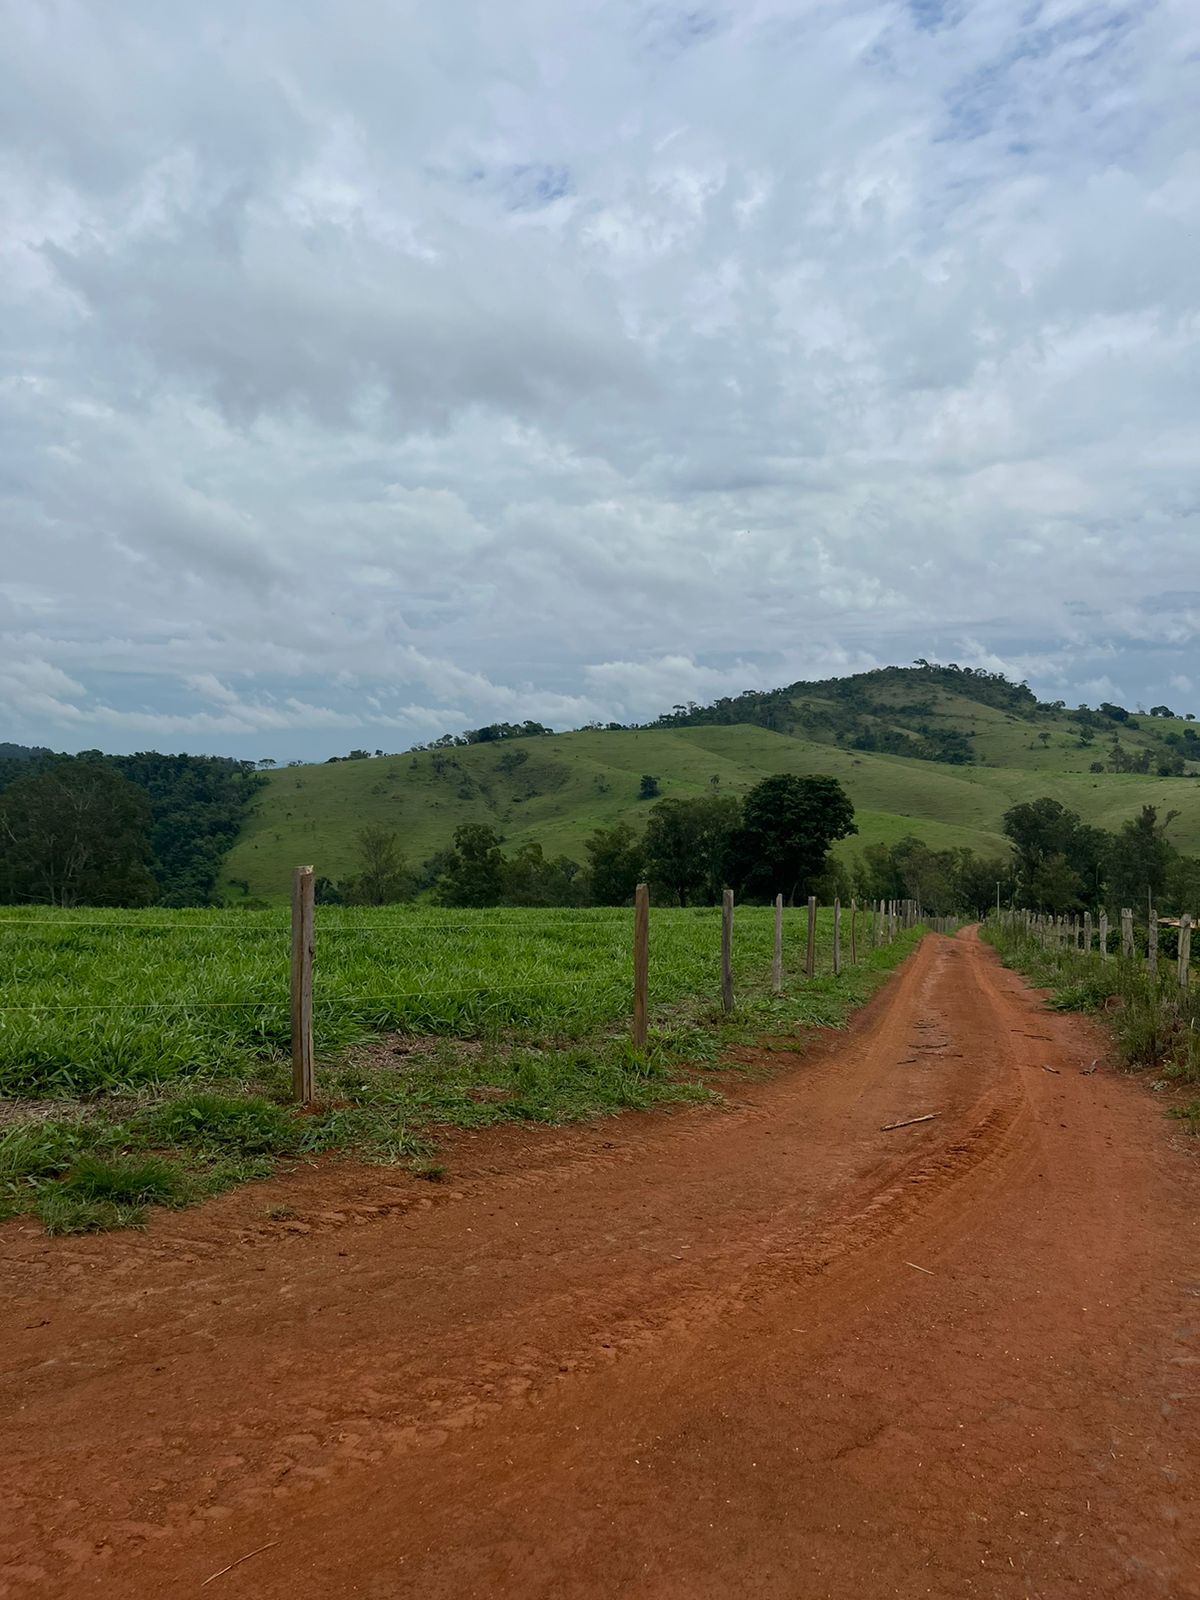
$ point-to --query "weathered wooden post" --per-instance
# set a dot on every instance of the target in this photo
(303, 944)
(1127, 933)
(1104, 935)
(837, 936)
(1152, 945)
(810, 949)
(641, 965)
(1185, 950)
(853, 932)
(727, 951)
(1087, 933)
(777, 956)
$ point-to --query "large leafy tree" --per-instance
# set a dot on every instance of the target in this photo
(1059, 857)
(1139, 859)
(532, 879)
(383, 876)
(788, 825)
(616, 859)
(687, 847)
(75, 833)
(474, 872)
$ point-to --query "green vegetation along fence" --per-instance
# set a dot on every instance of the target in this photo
(92, 1001)
(1135, 973)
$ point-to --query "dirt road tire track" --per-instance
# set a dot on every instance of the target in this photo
(768, 1351)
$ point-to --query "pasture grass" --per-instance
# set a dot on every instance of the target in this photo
(173, 1077)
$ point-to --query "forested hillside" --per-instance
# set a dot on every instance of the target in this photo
(97, 829)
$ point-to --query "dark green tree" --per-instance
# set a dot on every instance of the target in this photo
(1042, 830)
(616, 858)
(687, 847)
(1139, 860)
(382, 877)
(788, 824)
(75, 833)
(649, 789)
(474, 871)
(978, 878)
(531, 879)
(1054, 885)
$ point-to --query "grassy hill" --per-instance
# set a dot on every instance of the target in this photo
(557, 789)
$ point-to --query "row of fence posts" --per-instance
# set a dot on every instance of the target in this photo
(882, 922)
(1077, 933)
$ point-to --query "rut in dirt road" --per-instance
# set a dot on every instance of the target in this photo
(763, 1351)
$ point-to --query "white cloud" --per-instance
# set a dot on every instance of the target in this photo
(568, 362)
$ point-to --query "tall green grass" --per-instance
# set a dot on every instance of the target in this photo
(164, 1036)
(104, 1001)
(1154, 1023)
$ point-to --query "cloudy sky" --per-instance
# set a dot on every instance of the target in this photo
(376, 368)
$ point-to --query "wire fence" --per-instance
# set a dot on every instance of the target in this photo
(92, 999)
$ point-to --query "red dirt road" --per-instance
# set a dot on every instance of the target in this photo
(764, 1351)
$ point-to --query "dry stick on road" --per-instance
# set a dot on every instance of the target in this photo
(727, 951)
(777, 955)
(303, 1086)
(909, 1121)
(641, 964)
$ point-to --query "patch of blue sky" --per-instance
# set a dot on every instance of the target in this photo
(990, 96)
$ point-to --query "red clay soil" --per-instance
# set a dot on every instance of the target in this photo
(762, 1351)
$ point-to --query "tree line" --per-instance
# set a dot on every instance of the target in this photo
(774, 840)
(1062, 865)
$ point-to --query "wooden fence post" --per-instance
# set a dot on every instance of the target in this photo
(777, 957)
(853, 932)
(303, 1086)
(810, 951)
(837, 936)
(1127, 934)
(1087, 933)
(641, 965)
(1152, 944)
(1104, 936)
(727, 951)
(1185, 949)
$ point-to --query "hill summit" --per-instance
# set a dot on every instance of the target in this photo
(936, 751)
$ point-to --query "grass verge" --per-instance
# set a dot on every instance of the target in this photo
(1152, 1021)
(110, 1158)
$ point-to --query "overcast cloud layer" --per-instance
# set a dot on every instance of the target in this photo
(369, 370)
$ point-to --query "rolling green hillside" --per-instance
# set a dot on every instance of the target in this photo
(556, 789)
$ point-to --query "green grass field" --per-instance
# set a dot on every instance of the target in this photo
(571, 783)
(153, 1047)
